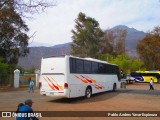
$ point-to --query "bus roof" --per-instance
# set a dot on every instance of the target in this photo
(148, 71)
(90, 59)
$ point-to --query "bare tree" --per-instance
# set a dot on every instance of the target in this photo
(107, 42)
(24, 7)
(120, 40)
(149, 49)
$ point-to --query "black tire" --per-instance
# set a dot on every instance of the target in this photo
(88, 92)
(114, 87)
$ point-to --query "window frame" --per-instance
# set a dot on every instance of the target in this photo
(107, 68)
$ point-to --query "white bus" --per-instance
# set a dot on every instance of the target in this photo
(70, 77)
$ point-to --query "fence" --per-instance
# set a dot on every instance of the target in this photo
(24, 78)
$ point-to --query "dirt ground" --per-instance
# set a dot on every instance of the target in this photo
(136, 97)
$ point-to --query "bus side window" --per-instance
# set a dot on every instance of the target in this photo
(87, 67)
(101, 68)
(79, 66)
(94, 67)
(109, 69)
(72, 65)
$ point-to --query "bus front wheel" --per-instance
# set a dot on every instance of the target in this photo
(88, 92)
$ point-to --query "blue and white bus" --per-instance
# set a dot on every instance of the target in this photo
(145, 76)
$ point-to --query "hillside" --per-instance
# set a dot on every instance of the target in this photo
(36, 53)
(132, 38)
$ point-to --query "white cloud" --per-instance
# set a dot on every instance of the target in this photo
(54, 26)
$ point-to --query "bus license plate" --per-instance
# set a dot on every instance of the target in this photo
(51, 93)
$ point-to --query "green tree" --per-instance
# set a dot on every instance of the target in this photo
(22, 70)
(149, 49)
(86, 37)
(3, 70)
(106, 57)
(125, 62)
(13, 37)
(137, 65)
(32, 69)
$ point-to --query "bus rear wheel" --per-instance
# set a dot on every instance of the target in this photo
(88, 92)
(114, 87)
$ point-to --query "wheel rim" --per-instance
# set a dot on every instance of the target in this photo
(88, 93)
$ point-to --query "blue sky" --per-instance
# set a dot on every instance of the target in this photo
(54, 26)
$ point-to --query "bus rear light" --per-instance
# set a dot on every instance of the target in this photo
(65, 85)
(40, 85)
(60, 92)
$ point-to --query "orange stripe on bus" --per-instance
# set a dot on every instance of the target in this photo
(95, 86)
(91, 79)
(53, 84)
(49, 84)
(101, 86)
(85, 81)
(61, 88)
(98, 86)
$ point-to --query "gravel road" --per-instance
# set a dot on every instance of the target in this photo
(136, 97)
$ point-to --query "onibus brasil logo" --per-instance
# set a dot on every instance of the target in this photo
(13, 114)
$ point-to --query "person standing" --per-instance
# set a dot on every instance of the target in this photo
(151, 84)
(29, 80)
(31, 86)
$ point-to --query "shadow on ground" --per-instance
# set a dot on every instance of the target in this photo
(94, 98)
(136, 91)
(104, 96)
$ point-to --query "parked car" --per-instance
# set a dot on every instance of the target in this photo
(129, 79)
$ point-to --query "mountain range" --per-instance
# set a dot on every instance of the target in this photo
(37, 53)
